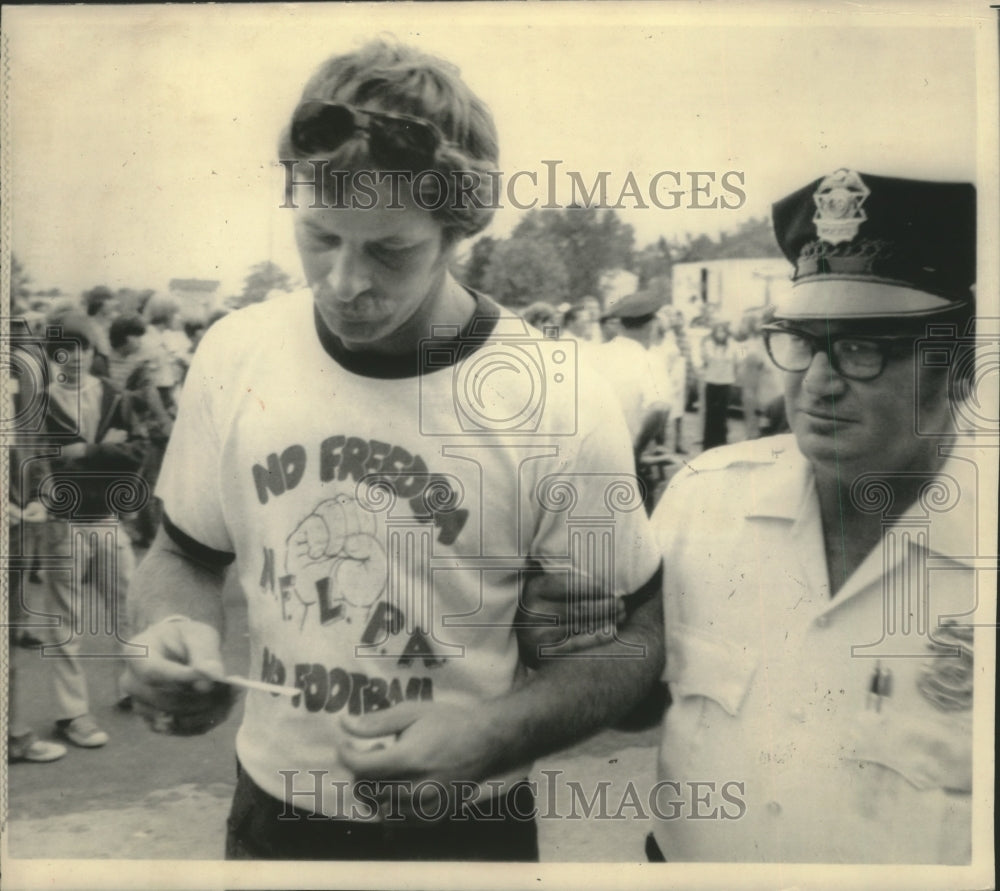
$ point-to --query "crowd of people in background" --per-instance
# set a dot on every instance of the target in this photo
(710, 370)
(104, 382)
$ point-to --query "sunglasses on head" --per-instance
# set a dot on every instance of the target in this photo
(396, 141)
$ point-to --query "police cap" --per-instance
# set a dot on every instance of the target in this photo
(868, 246)
(635, 306)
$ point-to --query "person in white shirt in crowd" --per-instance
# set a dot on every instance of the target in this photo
(102, 308)
(634, 371)
(591, 331)
(577, 324)
(667, 350)
(758, 379)
(169, 352)
(132, 369)
(821, 674)
(136, 366)
(719, 358)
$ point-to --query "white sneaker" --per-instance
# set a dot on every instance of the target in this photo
(38, 751)
(83, 732)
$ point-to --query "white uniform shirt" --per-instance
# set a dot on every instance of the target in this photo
(776, 748)
(640, 383)
(668, 354)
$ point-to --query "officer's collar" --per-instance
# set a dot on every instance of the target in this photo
(948, 506)
(789, 472)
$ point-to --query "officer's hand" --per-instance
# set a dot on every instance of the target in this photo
(169, 687)
(550, 616)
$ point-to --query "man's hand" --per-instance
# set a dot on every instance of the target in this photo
(74, 450)
(115, 436)
(456, 746)
(169, 686)
(416, 742)
(34, 513)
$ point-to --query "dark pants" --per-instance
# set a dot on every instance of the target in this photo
(716, 408)
(255, 832)
(653, 852)
(147, 520)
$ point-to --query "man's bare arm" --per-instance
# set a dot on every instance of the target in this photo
(564, 700)
(171, 581)
(570, 696)
(177, 611)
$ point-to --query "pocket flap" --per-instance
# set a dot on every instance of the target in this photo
(930, 754)
(702, 664)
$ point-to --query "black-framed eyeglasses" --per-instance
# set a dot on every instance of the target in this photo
(396, 141)
(857, 358)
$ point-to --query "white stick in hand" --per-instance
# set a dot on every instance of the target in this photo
(236, 680)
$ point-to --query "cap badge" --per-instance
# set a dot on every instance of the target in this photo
(838, 206)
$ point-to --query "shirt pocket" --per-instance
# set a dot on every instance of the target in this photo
(700, 664)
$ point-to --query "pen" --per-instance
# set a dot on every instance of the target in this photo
(879, 687)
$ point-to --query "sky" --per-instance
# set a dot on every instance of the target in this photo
(141, 140)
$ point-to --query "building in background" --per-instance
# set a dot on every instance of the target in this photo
(197, 297)
(727, 289)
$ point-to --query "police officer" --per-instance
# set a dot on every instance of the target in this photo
(821, 669)
(640, 382)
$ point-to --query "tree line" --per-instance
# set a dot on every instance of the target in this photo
(554, 255)
(562, 255)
